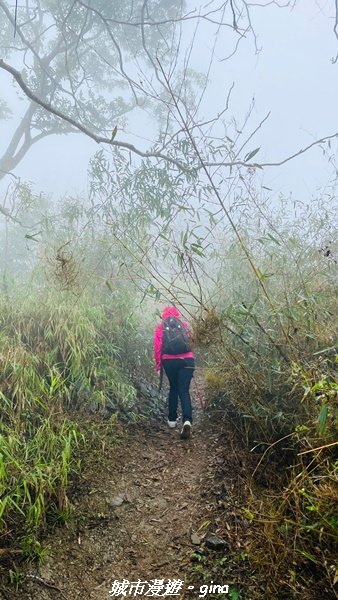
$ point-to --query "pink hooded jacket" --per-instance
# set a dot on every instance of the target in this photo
(169, 311)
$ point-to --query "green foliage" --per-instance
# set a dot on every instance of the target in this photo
(69, 47)
(272, 373)
(58, 358)
(16, 577)
(276, 379)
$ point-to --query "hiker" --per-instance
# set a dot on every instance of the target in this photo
(172, 350)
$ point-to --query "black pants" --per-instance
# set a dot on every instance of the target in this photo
(179, 372)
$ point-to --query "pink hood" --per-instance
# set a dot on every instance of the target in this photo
(170, 311)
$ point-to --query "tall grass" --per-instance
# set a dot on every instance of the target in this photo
(60, 357)
(279, 391)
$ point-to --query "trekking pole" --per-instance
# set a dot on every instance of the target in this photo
(199, 395)
(161, 379)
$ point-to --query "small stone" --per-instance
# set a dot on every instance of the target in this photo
(116, 501)
(195, 539)
(214, 542)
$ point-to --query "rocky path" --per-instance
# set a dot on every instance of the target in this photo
(136, 521)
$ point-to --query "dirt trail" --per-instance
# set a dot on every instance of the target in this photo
(142, 505)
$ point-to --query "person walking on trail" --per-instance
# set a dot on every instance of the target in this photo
(173, 353)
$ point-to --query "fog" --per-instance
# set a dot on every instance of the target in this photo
(139, 151)
(291, 75)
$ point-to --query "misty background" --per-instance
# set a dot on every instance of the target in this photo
(176, 202)
(290, 74)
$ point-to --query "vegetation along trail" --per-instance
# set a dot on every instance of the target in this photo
(138, 507)
(156, 153)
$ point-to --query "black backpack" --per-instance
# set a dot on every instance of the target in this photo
(175, 338)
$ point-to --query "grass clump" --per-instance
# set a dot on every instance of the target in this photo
(60, 366)
(272, 374)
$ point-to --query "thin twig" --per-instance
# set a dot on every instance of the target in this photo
(319, 448)
(15, 16)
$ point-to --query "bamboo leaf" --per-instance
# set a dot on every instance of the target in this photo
(251, 154)
(32, 237)
(114, 132)
(322, 418)
(273, 239)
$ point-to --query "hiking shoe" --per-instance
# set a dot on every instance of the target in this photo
(186, 430)
(172, 424)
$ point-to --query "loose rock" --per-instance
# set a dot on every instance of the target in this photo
(116, 501)
(214, 542)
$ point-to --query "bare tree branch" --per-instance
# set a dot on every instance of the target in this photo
(186, 17)
(335, 28)
(79, 126)
(15, 16)
(8, 215)
(154, 154)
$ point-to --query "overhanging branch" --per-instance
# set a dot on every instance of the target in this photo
(97, 138)
(125, 145)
